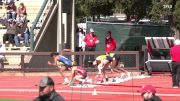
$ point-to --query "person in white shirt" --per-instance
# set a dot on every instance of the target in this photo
(80, 44)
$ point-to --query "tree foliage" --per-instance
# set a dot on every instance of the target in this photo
(139, 8)
(94, 7)
(156, 10)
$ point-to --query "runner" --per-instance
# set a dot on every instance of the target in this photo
(77, 74)
(65, 64)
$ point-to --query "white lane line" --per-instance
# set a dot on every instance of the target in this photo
(87, 92)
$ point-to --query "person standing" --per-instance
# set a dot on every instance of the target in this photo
(175, 56)
(110, 42)
(80, 44)
(47, 91)
(80, 39)
(91, 40)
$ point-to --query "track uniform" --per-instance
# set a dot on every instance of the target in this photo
(67, 62)
(80, 71)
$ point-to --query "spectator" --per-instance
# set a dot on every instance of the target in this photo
(11, 10)
(110, 43)
(22, 34)
(90, 44)
(175, 55)
(148, 93)
(11, 30)
(80, 45)
(47, 91)
(6, 2)
(80, 39)
(2, 49)
(21, 13)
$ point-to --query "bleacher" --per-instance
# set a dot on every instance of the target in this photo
(32, 7)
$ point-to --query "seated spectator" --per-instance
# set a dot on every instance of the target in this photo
(2, 49)
(21, 13)
(11, 10)
(11, 30)
(22, 34)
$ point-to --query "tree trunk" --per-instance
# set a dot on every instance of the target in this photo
(173, 27)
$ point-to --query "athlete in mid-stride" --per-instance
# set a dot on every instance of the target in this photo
(66, 64)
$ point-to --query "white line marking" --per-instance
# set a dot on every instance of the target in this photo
(87, 92)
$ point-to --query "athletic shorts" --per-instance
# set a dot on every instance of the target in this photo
(116, 57)
(109, 58)
(84, 75)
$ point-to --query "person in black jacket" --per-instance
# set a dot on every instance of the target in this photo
(47, 91)
(148, 93)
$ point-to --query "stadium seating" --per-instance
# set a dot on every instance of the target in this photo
(32, 7)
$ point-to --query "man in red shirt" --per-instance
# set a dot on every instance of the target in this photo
(175, 55)
(110, 43)
(90, 44)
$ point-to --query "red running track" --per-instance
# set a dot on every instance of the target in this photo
(24, 88)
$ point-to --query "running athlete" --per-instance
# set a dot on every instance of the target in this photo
(66, 64)
(77, 73)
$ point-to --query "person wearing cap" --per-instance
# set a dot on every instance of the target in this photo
(91, 40)
(110, 42)
(148, 93)
(66, 64)
(47, 91)
(175, 56)
(11, 26)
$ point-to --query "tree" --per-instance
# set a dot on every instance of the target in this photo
(139, 8)
(167, 9)
(94, 8)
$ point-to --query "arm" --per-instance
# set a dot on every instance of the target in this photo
(71, 82)
(52, 62)
(114, 42)
(96, 40)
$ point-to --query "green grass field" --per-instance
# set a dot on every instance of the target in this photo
(12, 100)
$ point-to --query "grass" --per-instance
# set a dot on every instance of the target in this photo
(11, 100)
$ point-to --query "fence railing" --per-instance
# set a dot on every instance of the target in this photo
(37, 61)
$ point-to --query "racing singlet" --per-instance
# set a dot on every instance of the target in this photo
(101, 57)
(80, 70)
(65, 60)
